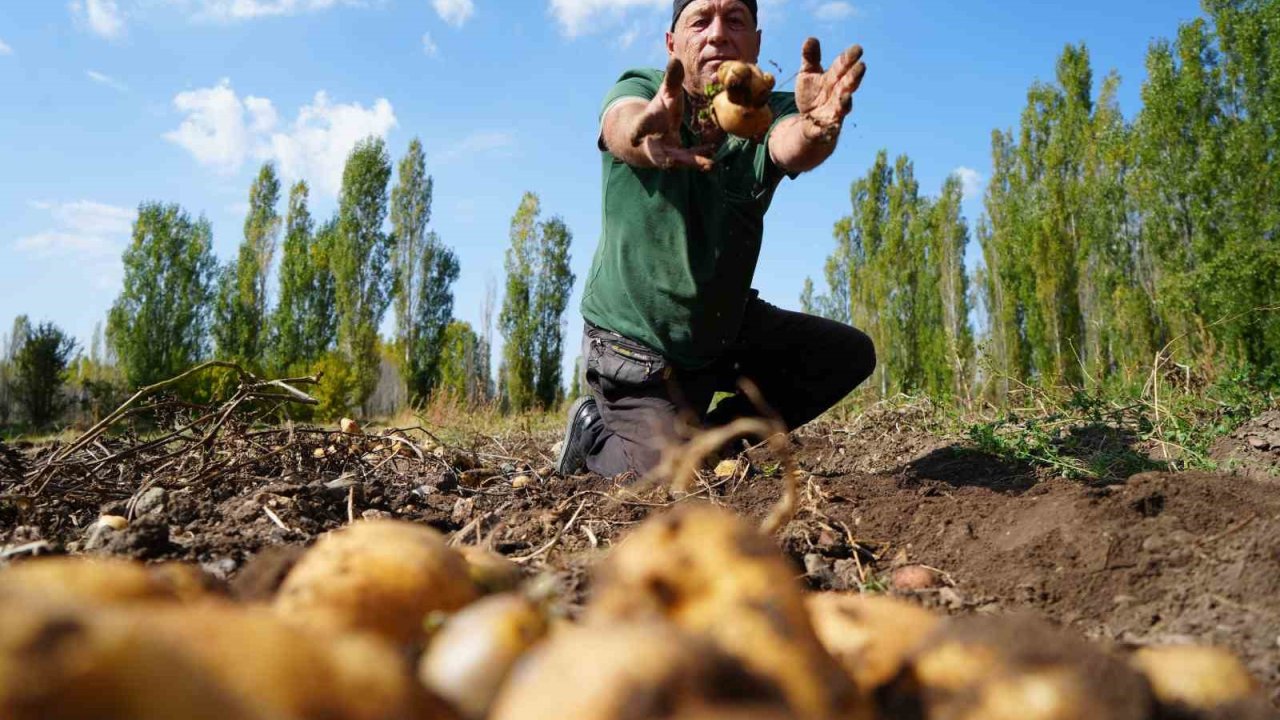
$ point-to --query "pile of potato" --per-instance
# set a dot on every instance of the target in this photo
(695, 615)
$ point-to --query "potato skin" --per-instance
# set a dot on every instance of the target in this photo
(709, 572)
(469, 658)
(62, 661)
(1195, 676)
(744, 83)
(377, 576)
(743, 121)
(870, 635)
(104, 581)
(629, 671)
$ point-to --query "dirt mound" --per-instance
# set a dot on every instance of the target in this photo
(1253, 449)
(1159, 558)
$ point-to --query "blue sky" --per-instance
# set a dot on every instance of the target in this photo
(109, 103)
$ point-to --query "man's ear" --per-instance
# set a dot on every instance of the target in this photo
(671, 44)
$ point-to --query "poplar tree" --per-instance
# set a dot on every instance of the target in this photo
(361, 261)
(159, 324)
(240, 324)
(305, 322)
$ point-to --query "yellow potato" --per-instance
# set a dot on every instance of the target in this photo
(469, 657)
(712, 573)
(871, 635)
(744, 83)
(1199, 677)
(1050, 695)
(628, 671)
(102, 580)
(741, 120)
(286, 672)
(64, 662)
(377, 576)
(491, 572)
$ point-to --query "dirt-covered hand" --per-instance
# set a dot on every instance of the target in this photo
(658, 130)
(824, 98)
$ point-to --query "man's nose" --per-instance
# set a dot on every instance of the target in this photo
(718, 31)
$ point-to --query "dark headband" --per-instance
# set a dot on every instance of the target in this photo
(679, 5)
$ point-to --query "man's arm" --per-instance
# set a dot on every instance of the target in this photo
(803, 142)
(646, 133)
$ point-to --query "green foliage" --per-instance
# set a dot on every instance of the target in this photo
(425, 270)
(240, 312)
(538, 285)
(40, 371)
(339, 389)
(158, 326)
(462, 369)
(361, 260)
(304, 324)
(8, 351)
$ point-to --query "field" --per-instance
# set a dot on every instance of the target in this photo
(1160, 557)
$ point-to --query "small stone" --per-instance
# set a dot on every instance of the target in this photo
(913, 578)
(726, 468)
(150, 501)
(1259, 443)
(950, 598)
(520, 481)
(372, 514)
(350, 427)
(462, 510)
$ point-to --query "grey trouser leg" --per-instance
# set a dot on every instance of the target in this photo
(802, 365)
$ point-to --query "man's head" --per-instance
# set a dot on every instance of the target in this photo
(705, 33)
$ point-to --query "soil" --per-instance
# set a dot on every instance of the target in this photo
(1158, 558)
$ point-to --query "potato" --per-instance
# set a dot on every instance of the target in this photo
(630, 671)
(377, 576)
(286, 672)
(741, 120)
(712, 573)
(870, 635)
(1198, 677)
(469, 657)
(64, 662)
(998, 667)
(101, 580)
(744, 83)
(491, 572)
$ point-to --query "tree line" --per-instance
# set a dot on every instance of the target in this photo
(1105, 243)
(335, 282)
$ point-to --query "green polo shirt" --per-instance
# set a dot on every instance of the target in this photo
(679, 247)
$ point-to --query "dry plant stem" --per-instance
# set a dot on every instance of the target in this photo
(552, 542)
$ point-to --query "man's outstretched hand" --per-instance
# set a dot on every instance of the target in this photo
(824, 98)
(657, 129)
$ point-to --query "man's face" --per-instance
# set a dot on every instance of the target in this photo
(708, 33)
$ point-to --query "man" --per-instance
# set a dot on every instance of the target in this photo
(671, 317)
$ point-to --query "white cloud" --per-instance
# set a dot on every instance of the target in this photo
(5, 49)
(970, 180)
(578, 16)
(107, 80)
(477, 143)
(835, 11)
(102, 16)
(315, 148)
(90, 234)
(454, 12)
(429, 46)
(250, 9)
(223, 131)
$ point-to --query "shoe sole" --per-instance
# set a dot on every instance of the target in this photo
(569, 438)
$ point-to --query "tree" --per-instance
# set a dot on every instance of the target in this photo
(551, 298)
(538, 285)
(240, 324)
(461, 367)
(361, 267)
(159, 326)
(40, 370)
(304, 324)
(8, 353)
(425, 271)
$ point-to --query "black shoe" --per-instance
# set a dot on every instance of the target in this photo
(579, 435)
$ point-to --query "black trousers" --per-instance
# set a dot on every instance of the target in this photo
(802, 365)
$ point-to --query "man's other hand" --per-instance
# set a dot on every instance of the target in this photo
(825, 98)
(655, 129)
